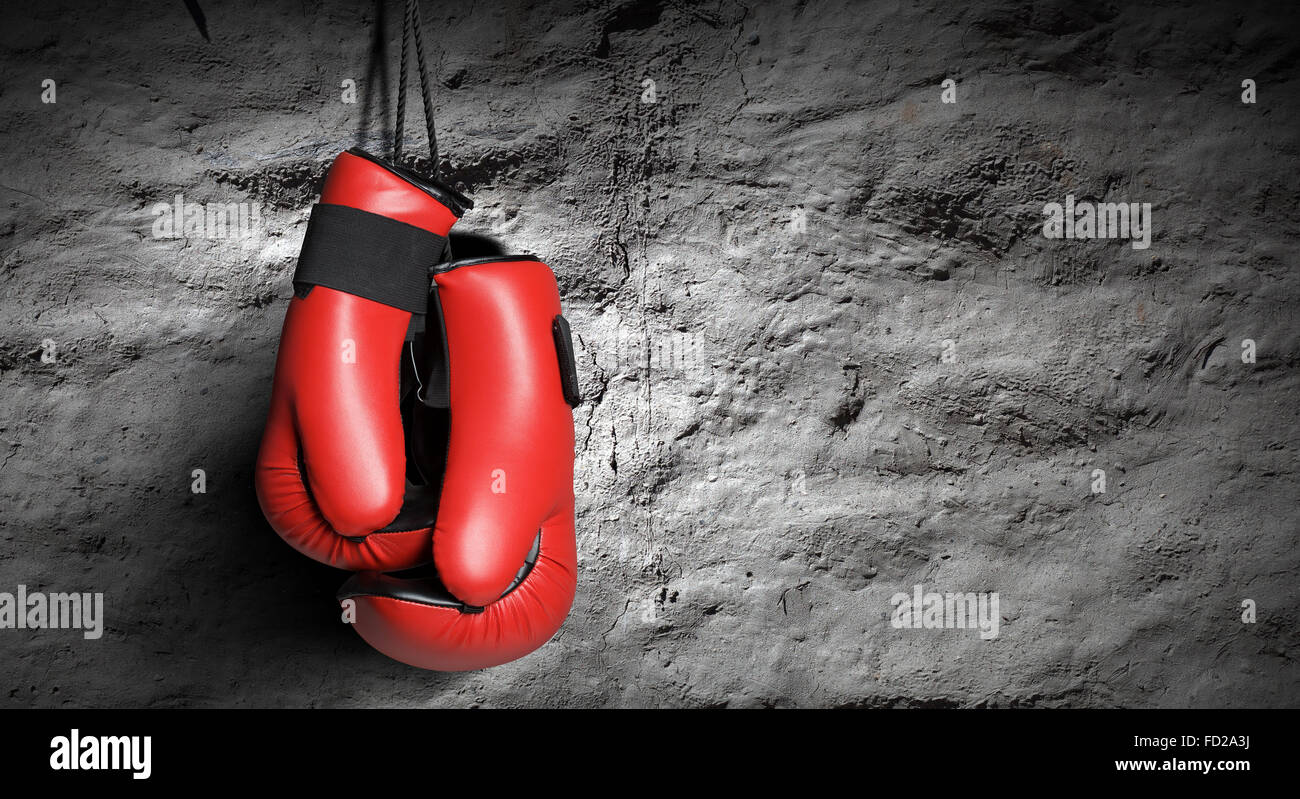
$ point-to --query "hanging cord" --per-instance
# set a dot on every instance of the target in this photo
(412, 25)
(399, 130)
(425, 94)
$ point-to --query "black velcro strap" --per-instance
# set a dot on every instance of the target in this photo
(367, 255)
(568, 363)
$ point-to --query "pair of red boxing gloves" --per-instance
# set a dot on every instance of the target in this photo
(420, 431)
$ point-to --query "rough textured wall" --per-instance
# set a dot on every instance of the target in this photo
(828, 351)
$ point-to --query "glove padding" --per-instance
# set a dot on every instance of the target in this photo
(331, 470)
(504, 555)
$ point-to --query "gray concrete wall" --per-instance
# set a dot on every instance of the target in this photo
(830, 354)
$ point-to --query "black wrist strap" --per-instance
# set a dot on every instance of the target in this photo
(367, 255)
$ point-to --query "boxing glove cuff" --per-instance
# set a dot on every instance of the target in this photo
(367, 255)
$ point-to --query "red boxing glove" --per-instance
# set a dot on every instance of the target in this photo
(501, 379)
(330, 472)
